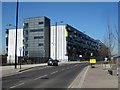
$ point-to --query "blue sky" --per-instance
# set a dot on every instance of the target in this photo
(91, 17)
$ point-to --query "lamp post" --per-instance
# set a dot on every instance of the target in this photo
(56, 39)
(16, 35)
(117, 64)
(80, 57)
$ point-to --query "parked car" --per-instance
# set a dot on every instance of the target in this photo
(52, 62)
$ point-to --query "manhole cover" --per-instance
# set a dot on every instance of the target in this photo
(44, 78)
(22, 77)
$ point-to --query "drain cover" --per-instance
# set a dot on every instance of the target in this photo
(44, 78)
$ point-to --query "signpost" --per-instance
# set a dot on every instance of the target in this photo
(20, 49)
(80, 57)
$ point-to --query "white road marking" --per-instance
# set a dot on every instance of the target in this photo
(76, 65)
(25, 71)
(20, 81)
(42, 68)
(40, 77)
(54, 72)
(79, 80)
(67, 68)
(17, 85)
(83, 78)
(32, 69)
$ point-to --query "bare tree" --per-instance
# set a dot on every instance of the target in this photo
(116, 35)
(103, 51)
(116, 38)
(109, 40)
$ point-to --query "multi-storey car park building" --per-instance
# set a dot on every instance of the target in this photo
(42, 41)
(36, 38)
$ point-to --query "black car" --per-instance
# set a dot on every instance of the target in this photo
(52, 62)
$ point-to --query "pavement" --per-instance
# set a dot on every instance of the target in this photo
(10, 70)
(96, 77)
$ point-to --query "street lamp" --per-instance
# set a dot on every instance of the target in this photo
(10, 25)
(56, 39)
(16, 33)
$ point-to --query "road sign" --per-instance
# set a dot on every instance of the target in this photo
(92, 61)
(80, 55)
(20, 48)
(91, 54)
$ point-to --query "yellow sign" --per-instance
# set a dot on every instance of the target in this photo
(22, 44)
(66, 33)
(92, 61)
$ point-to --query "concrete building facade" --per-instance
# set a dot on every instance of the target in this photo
(72, 44)
(40, 41)
(36, 38)
(58, 43)
(10, 37)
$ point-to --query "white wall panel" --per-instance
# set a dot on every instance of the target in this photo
(61, 43)
(11, 44)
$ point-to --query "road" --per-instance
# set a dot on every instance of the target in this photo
(44, 77)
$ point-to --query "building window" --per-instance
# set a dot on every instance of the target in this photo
(75, 36)
(75, 32)
(26, 46)
(26, 53)
(26, 32)
(40, 22)
(26, 39)
(37, 30)
(70, 36)
(38, 37)
(25, 25)
(40, 44)
(68, 47)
